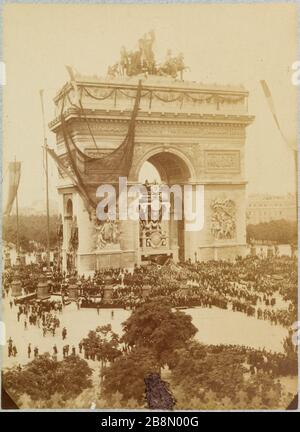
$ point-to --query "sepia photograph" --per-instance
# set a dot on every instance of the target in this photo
(149, 207)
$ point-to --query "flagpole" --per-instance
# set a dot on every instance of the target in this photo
(45, 154)
(296, 180)
(18, 235)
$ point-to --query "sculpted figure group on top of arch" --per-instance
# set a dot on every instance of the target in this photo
(143, 61)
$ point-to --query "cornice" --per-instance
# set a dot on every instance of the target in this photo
(162, 118)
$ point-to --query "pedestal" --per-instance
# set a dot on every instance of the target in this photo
(7, 260)
(146, 291)
(38, 257)
(23, 259)
(253, 251)
(108, 258)
(107, 295)
(42, 288)
(270, 252)
(16, 288)
(73, 289)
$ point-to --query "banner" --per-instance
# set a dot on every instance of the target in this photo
(14, 169)
(271, 105)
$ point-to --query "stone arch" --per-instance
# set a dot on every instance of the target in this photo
(171, 163)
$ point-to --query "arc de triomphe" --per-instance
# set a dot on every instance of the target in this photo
(192, 133)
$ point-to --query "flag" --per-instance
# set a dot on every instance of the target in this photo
(14, 169)
(271, 105)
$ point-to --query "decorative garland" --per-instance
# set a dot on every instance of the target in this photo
(177, 98)
(180, 97)
(98, 97)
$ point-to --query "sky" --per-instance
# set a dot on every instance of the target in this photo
(224, 44)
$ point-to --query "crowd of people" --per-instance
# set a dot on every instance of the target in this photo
(256, 360)
(265, 289)
(250, 285)
(262, 288)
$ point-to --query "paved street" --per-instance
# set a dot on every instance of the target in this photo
(216, 326)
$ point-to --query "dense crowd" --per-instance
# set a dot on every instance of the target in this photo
(265, 289)
(251, 285)
(255, 360)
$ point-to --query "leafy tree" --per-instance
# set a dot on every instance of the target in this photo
(104, 342)
(31, 228)
(43, 377)
(154, 325)
(128, 373)
(291, 351)
(281, 231)
(198, 372)
(202, 378)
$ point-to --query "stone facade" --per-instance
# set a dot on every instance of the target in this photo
(193, 134)
(265, 208)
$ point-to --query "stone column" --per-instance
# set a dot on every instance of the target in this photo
(38, 257)
(173, 235)
(23, 259)
(16, 286)
(73, 288)
(129, 240)
(146, 290)
(7, 260)
(42, 287)
(107, 294)
(270, 252)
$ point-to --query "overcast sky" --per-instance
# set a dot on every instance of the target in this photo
(225, 44)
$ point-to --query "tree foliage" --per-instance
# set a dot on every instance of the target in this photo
(43, 377)
(205, 379)
(154, 325)
(198, 372)
(127, 374)
(104, 343)
(31, 228)
(281, 231)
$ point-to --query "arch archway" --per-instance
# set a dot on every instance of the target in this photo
(166, 238)
(172, 164)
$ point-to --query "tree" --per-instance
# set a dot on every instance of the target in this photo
(104, 343)
(31, 228)
(154, 325)
(291, 352)
(281, 231)
(43, 377)
(198, 371)
(206, 378)
(127, 374)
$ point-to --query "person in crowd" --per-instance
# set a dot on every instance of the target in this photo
(29, 350)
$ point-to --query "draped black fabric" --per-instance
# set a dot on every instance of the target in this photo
(82, 192)
(111, 166)
(73, 162)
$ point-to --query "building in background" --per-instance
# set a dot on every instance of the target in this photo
(265, 208)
